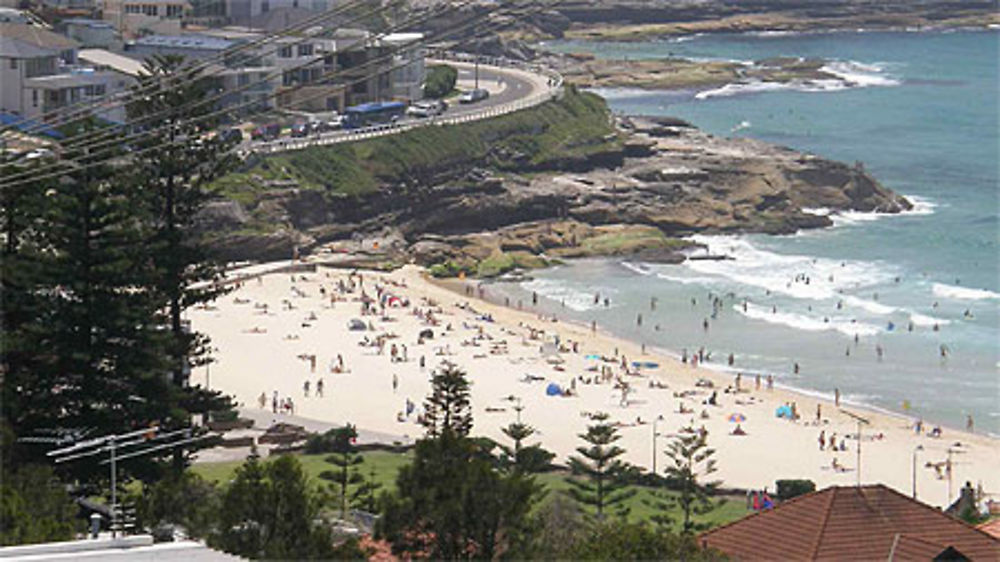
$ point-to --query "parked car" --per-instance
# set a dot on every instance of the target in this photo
(427, 108)
(266, 132)
(473, 96)
(234, 136)
(301, 129)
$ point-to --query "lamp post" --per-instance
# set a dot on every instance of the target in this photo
(518, 406)
(655, 435)
(917, 449)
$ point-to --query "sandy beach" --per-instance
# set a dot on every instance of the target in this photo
(280, 331)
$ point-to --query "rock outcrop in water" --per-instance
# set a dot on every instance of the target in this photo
(664, 181)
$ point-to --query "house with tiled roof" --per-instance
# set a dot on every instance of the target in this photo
(871, 522)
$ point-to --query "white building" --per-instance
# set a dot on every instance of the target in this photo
(133, 18)
(39, 74)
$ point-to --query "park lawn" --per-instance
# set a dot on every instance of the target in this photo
(387, 463)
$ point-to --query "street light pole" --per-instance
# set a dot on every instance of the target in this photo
(918, 448)
(655, 435)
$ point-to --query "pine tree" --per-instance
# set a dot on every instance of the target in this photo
(176, 169)
(451, 501)
(599, 473)
(692, 461)
(365, 496)
(447, 408)
(346, 460)
(526, 459)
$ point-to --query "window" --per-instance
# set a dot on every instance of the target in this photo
(265, 7)
(13, 64)
(305, 50)
(174, 10)
(285, 52)
(34, 98)
(150, 10)
(133, 9)
(243, 79)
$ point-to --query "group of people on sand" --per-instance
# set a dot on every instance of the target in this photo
(278, 405)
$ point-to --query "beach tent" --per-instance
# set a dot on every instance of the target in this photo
(783, 412)
(553, 390)
(356, 325)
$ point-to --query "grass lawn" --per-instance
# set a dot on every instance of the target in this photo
(386, 464)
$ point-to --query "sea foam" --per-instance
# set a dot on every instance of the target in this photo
(786, 274)
(962, 293)
(806, 322)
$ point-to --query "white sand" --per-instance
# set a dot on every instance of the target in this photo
(251, 363)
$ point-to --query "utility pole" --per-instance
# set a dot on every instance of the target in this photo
(860, 421)
(655, 436)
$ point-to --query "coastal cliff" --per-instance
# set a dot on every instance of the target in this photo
(561, 180)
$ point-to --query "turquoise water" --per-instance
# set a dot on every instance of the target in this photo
(923, 118)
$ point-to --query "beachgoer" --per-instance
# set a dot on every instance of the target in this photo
(756, 382)
(395, 382)
(795, 368)
(770, 382)
(969, 423)
(739, 430)
(274, 402)
(822, 439)
(638, 320)
(319, 388)
(836, 397)
(305, 389)
(819, 413)
(262, 401)
(534, 298)
(732, 359)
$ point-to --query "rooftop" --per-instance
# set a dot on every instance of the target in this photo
(185, 42)
(137, 547)
(114, 61)
(19, 40)
(850, 523)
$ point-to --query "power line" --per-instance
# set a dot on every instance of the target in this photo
(32, 176)
(202, 65)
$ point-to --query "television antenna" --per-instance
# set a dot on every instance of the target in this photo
(860, 421)
(124, 446)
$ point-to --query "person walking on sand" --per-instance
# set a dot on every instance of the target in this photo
(262, 400)
(756, 382)
(395, 382)
(770, 382)
(822, 439)
(819, 413)
(319, 388)
(836, 397)
(274, 402)
(305, 389)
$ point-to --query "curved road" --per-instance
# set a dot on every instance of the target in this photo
(508, 87)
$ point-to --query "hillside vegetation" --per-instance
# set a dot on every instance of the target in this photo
(571, 128)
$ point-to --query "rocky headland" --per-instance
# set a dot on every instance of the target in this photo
(543, 186)
(586, 70)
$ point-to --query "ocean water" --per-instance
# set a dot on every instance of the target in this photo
(869, 305)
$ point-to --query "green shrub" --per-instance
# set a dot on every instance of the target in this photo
(440, 80)
(788, 489)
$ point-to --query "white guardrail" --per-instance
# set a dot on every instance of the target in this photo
(552, 89)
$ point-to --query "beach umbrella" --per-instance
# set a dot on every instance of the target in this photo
(783, 412)
(737, 418)
(593, 357)
(553, 389)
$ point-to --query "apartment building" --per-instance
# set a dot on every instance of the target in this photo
(134, 18)
(40, 73)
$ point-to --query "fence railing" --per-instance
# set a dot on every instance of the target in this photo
(553, 89)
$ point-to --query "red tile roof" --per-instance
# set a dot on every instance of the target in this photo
(850, 523)
(991, 528)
